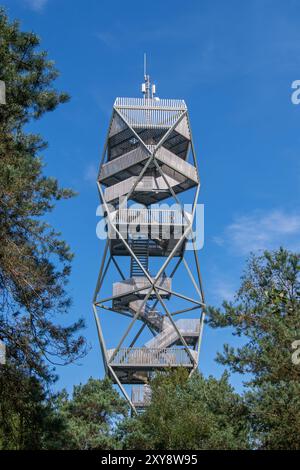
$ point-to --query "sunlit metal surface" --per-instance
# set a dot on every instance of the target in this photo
(148, 156)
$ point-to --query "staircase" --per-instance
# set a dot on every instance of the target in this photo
(141, 396)
(152, 316)
(140, 247)
(188, 328)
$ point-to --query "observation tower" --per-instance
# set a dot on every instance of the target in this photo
(149, 302)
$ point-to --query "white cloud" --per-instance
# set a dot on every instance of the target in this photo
(220, 285)
(91, 173)
(108, 39)
(36, 5)
(223, 290)
(262, 230)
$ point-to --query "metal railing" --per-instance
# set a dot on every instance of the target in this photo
(139, 155)
(128, 286)
(150, 113)
(150, 314)
(122, 188)
(141, 395)
(176, 163)
(147, 184)
(151, 357)
(150, 103)
(150, 216)
(119, 164)
(186, 327)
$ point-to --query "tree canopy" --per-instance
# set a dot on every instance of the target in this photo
(34, 260)
(195, 413)
(266, 315)
(91, 416)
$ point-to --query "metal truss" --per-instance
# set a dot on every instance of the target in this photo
(145, 159)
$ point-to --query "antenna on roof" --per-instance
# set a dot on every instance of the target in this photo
(148, 88)
(145, 65)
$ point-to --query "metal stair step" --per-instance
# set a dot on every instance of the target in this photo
(140, 248)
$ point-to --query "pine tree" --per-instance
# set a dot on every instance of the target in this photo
(266, 315)
(195, 413)
(34, 260)
(90, 416)
(28, 418)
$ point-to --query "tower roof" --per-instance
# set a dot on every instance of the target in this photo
(150, 112)
(149, 103)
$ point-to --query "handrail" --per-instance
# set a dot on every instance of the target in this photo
(141, 395)
(150, 216)
(151, 357)
(150, 103)
(187, 327)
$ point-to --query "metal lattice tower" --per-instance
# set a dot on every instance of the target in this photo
(146, 160)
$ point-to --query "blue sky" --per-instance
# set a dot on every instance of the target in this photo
(233, 62)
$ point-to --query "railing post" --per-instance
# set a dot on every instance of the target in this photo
(2, 92)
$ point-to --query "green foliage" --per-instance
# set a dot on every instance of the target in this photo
(32, 418)
(28, 420)
(266, 315)
(195, 413)
(34, 260)
(91, 415)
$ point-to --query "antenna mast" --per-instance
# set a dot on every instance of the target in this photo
(148, 89)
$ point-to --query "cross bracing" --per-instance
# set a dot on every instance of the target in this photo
(148, 157)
